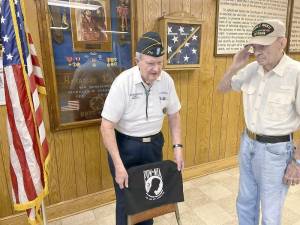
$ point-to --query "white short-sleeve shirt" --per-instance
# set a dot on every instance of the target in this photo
(125, 104)
(272, 100)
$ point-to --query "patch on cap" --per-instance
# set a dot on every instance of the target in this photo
(150, 44)
(262, 29)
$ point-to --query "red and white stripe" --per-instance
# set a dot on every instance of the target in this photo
(26, 131)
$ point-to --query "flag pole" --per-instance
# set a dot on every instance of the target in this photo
(44, 214)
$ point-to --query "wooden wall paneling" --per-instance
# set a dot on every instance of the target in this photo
(93, 159)
(152, 11)
(192, 113)
(186, 6)
(139, 18)
(166, 133)
(184, 79)
(65, 164)
(6, 206)
(165, 7)
(233, 114)
(106, 177)
(6, 202)
(53, 179)
(225, 124)
(241, 125)
(176, 77)
(206, 81)
(183, 84)
(176, 5)
(79, 161)
(216, 111)
(192, 117)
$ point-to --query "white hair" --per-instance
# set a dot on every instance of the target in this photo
(138, 55)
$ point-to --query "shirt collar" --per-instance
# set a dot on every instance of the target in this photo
(137, 77)
(278, 69)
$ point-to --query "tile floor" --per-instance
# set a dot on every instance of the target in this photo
(209, 200)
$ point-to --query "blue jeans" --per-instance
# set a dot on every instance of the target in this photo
(262, 167)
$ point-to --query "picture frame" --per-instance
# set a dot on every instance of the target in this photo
(294, 29)
(90, 28)
(182, 41)
(235, 20)
(78, 79)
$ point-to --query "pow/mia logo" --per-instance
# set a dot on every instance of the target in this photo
(153, 184)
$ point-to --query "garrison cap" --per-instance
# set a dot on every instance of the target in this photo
(150, 44)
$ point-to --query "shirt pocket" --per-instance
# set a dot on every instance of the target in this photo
(279, 104)
(163, 101)
(248, 89)
(249, 92)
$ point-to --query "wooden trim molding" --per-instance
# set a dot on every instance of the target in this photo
(91, 201)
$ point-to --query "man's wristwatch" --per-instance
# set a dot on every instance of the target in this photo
(177, 146)
(297, 161)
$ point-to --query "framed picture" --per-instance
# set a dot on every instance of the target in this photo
(91, 28)
(79, 62)
(182, 41)
(235, 20)
(294, 31)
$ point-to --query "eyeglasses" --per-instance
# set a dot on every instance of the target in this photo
(262, 48)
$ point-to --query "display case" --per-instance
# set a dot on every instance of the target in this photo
(182, 39)
(85, 45)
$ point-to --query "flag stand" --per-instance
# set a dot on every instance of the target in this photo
(44, 214)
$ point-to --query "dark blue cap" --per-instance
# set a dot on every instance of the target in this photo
(150, 44)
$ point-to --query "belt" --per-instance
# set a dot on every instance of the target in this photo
(146, 139)
(269, 139)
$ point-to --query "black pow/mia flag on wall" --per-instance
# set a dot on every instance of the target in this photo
(152, 185)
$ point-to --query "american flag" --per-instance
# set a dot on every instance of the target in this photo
(183, 43)
(26, 132)
(71, 106)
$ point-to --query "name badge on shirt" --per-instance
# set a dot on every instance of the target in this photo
(135, 95)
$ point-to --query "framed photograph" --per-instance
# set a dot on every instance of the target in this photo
(294, 31)
(182, 41)
(91, 28)
(79, 62)
(235, 20)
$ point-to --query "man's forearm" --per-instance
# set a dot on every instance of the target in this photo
(174, 122)
(297, 149)
(225, 83)
(240, 59)
(109, 140)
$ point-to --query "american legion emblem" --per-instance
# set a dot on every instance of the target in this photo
(154, 184)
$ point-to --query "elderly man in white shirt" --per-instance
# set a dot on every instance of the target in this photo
(133, 115)
(271, 97)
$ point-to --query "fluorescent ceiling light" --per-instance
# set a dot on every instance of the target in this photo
(77, 5)
(59, 28)
(113, 31)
